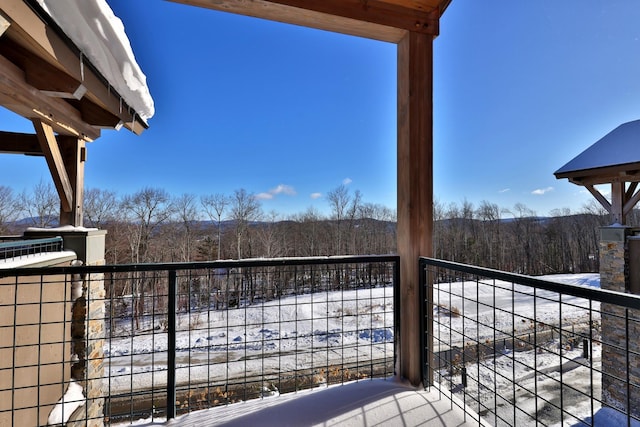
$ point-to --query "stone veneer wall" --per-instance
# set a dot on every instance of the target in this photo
(89, 315)
(620, 346)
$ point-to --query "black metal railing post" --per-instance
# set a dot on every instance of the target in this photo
(171, 345)
(424, 330)
(396, 313)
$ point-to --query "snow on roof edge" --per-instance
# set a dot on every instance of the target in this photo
(101, 37)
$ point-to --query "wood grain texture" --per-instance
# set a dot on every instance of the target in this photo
(55, 162)
(300, 16)
(73, 152)
(415, 189)
(20, 143)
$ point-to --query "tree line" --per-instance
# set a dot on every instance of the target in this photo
(151, 225)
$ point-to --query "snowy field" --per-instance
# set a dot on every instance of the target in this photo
(316, 331)
(337, 328)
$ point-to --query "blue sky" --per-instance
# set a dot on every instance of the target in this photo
(290, 113)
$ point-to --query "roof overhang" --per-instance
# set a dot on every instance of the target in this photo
(45, 77)
(629, 172)
(613, 158)
(385, 20)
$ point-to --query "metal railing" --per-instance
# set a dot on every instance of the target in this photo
(20, 248)
(183, 337)
(516, 350)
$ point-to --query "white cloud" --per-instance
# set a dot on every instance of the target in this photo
(280, 189)
(504, 190)
(315, 195)
(283, 189)
(541, 191)
(347, 181)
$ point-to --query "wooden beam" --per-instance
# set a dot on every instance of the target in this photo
(56, 164)
(20, 143)
(415, 191)
(375, 12)
(22, 98)
(73, 152)
(274, 11)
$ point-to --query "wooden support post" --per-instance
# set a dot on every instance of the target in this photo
(415, 190)
(617, 202)
(74, 154)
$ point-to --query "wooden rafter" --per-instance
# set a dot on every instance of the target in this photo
(22, 98)
(51, 81)
(55, 162)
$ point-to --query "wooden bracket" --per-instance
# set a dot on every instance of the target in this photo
(55, 162)
(599, 197)
(631, 199)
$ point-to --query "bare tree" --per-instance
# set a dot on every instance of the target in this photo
(9, 208)
(270, 237)
(100, 207)
(489, 214)
(42, 205)
(339, 200)
(186, 215)
(214, 206)
(245, 209)
(145, 211)
(310, 234)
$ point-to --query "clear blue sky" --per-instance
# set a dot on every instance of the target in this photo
(520, 89)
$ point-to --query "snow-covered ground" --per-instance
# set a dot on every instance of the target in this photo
(335, 328)
(287, 335)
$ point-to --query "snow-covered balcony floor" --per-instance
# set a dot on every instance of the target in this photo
(364, 403)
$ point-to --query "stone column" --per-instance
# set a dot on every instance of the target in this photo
(620, 329)
(88, 320)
